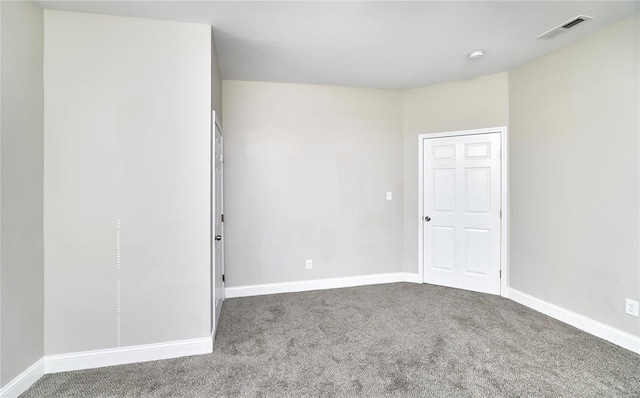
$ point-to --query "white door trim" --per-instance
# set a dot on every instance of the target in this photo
(504, 198)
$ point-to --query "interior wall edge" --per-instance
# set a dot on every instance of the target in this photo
(24, 380)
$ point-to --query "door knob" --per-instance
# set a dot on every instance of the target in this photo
(427, 218)
(218, 237)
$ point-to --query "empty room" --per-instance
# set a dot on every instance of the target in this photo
(319, 198)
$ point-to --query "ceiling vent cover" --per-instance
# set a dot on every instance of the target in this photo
(565, 26)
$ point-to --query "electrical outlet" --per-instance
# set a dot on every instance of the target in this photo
(389, 195)
(309, 264)
(631, 307)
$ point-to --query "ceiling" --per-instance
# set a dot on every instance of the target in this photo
(375, 44)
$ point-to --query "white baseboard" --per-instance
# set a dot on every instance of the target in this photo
(581, 322)
(413, 278)
(24, 380)
(320, 284)
(124, 355)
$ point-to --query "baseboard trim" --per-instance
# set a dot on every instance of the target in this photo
(611, 334)
(124, 355)
(413, 278)
(24, 380)
(319, 284)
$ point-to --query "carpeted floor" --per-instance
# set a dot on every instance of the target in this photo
(400, 339)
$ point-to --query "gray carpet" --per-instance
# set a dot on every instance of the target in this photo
(400, 339)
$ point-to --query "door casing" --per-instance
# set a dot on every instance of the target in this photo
(504, 198)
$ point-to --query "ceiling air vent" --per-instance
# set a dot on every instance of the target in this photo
(564, 27)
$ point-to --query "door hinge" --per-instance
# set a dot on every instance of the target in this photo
(222, 218)
(222, 277)
(500, 274)
(222, 158)
(500, 213)
(501, 154)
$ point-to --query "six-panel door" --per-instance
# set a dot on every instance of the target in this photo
(461, 214)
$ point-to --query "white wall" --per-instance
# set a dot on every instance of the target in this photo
(127, 137)
(575, 176)
(216, 81)
(306, 172)
(21, 127)
(461, 105)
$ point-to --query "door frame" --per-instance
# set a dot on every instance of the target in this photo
(504, 197)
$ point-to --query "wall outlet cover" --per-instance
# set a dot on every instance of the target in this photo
(631, 307)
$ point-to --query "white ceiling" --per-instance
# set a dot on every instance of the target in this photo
(376, 44)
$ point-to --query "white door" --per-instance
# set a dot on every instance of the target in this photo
(461, 213)
(218, 228)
